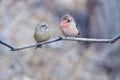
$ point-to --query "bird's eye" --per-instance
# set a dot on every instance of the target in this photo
(68, 20)
(43, 25)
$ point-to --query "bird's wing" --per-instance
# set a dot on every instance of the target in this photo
(78, 29)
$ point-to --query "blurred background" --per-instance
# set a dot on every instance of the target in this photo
(63, 60)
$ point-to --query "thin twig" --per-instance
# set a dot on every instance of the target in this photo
(90, 40)
(8, 45)
(34, 45)
(115, 39)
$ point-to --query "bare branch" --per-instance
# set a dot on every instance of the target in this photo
(115, 39)
(90, 40)
(6, 44)
(34, 45)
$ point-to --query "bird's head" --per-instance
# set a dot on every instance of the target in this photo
(42, 27)
(66, 18)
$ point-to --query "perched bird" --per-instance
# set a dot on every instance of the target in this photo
(42, 33)
(68, 26)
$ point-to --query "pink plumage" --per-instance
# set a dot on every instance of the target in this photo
(68, 26)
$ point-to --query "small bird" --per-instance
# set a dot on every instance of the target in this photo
(68, 26)
(42, 33)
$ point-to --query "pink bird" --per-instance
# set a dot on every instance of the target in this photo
(68, 26)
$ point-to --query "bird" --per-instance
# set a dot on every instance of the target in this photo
(41, 33)
(69, 26)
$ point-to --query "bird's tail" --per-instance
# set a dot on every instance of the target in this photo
(78, 37)
(38, 46)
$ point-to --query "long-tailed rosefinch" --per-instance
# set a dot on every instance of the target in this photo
(42, 33)
(68, 26)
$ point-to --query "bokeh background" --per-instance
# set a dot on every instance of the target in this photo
(63, 60)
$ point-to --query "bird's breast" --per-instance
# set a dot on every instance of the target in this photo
(41, 36)
(69, 31)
